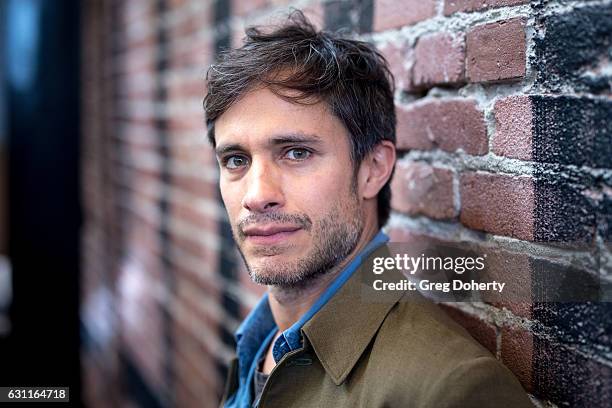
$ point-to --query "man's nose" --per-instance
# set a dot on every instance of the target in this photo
(263, 192)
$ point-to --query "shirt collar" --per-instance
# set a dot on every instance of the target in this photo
(357, 310)
(292, 334)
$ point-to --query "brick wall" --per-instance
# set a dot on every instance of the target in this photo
(504, 134)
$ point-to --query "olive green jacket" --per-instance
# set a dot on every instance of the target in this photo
(403, 351)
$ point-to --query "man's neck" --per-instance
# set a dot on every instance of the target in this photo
(289, 304)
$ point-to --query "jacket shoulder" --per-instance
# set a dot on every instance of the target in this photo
(478, 382)
(439, 364)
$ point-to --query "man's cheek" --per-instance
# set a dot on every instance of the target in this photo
(230, 200)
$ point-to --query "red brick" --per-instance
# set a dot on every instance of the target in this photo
(439, 59)
(499, 204)
(517, 347)
(447, 124)
(485, 333)
(419, 189)
(244, 7)
(237, 35)
(407, 236)
(513, 127)
(496, 51)
(388, 14)
(453, 6)
(513, 269)
(399, 56)
(315, 12)
(198, 54)
(135, 10)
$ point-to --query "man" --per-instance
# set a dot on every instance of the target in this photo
(303, 126)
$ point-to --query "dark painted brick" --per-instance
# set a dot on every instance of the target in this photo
(569, 378)
(584, 324)
(574, 43)
(563, 213)
(604, 225)
(554, 282)
(549, 365)
(570, 130)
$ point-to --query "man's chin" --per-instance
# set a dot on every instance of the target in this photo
(273, 270)
(273, 278)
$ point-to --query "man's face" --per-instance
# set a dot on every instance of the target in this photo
(287, 182)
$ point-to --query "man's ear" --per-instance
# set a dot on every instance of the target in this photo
(376, 168)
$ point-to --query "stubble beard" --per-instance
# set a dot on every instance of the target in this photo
(334, 239)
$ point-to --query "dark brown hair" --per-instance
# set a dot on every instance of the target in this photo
(350, 76)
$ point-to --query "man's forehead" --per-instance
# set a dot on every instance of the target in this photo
(262, 119)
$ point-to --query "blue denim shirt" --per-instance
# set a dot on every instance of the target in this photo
(258, 329)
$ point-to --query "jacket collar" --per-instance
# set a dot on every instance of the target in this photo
(340, 332)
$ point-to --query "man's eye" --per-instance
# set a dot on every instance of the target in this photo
(234, 162)
(297, 154)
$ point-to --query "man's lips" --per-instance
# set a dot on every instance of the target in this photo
(269, 234)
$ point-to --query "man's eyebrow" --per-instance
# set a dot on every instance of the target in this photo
(275, 140)
(231, 147)
(294, 138)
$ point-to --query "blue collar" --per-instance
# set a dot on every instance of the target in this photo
(258, 329)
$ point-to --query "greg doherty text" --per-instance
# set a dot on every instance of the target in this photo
(425, 285)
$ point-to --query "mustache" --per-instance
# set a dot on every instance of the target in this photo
(299, 220)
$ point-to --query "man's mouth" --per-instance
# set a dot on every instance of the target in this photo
(269, 234)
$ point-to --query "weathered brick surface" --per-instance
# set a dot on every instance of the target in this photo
(575, 52)
(517, 353)
(513, 128)
(576, 322)
(566, 213)
(447, 124)
(496, 51)
(554, 129)
(387, 14)
(453, 6)
(242, 7)
(569, 377)
(439, 59)
(509, 206)
(531, 208)
(400, 58)
(420, 189)
(516, 271)
(572, 130)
